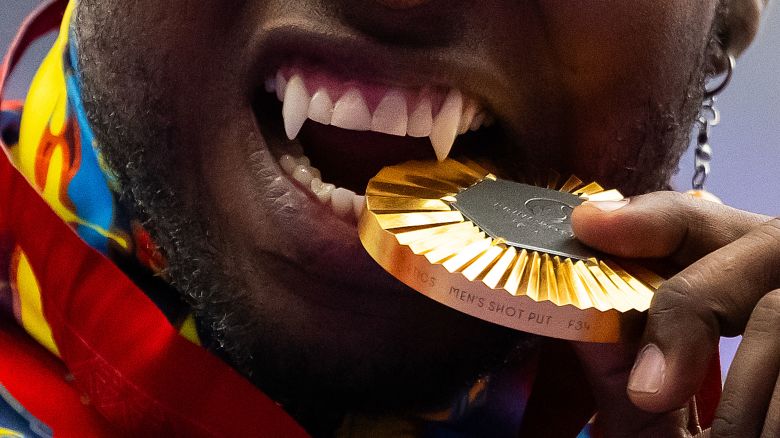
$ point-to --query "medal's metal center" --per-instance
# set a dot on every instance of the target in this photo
(524, 216)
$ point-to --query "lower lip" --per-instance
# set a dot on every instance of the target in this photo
(321, 243)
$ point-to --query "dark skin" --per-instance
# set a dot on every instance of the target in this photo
(727, 286)
(606, 90)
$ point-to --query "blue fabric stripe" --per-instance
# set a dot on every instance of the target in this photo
(17, 419)
(89, 190)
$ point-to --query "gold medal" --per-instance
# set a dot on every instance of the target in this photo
(502, 251)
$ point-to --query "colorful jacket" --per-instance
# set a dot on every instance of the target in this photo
(85, 351)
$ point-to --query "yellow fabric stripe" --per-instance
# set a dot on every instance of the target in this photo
(46, 102)
(45, 118)
(46, 111)
(8, 433)
(31, 306)
(189, 331)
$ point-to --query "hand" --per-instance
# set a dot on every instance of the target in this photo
(730, 263)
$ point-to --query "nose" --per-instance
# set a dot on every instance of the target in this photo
(401, 4)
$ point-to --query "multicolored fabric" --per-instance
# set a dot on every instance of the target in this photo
(57, 152)
(89, 354)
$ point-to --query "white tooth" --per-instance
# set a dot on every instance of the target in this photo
(316, 185)
(296, 106)
(351, 112)
(302, 174)
(270, 85)
(288, 163)
(390, 116)
(421, 121)
(315, 172)
(445, 127)
(342, 202)
(303, 159)
(325, 192)
(469, 112)
(358, 204)
(321, 108)
(281, 86)
(477, 122)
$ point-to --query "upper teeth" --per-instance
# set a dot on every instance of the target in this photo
(396, 111)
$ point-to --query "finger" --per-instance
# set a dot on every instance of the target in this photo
(772, 421)
(747, 394)
(663, 224)
(607, 368)
(713, 296)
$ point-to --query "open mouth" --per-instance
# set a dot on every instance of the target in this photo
(331, 133)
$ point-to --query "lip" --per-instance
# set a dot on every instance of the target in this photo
(319, 243)
(322, 244)
(352, 55)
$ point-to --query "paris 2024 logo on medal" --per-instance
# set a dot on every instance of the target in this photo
(550, 210)
(524, 216)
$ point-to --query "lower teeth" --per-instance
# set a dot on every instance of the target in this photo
(345, 203)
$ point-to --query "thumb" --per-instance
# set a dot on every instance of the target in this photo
(608, 367)
(661, 225)
(679, 346)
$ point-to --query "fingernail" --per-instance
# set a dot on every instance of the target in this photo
(649, 370)
(608, 206)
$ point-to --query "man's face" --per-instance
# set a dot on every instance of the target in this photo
(176, 90)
